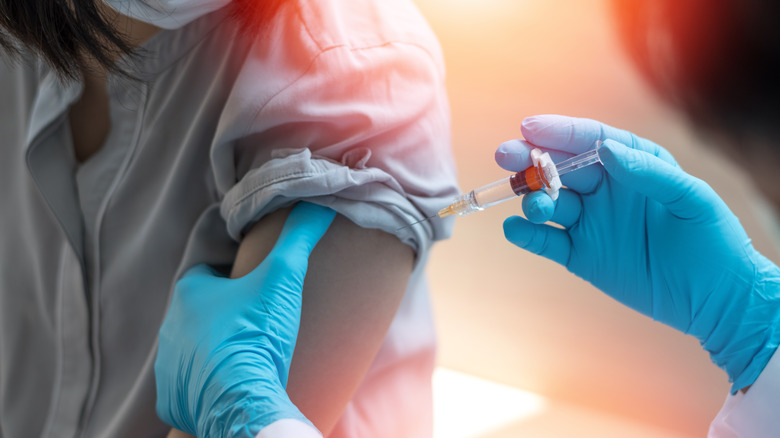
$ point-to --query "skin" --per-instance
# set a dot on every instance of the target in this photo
(353, 287)
(355, 283)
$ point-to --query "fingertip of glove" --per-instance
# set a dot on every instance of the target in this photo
(540, 122)
(610, 151)
(528, 122)
(200, 269)
(311, 210)
(532, 123)
(515, 230)
(610, 145)
(538, 207)
(308, 221)
(513, 155)
(509, 147)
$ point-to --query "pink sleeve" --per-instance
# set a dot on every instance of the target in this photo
(353, 118)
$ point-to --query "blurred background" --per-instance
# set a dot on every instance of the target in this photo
(526, 348)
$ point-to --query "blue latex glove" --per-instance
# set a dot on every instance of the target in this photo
(652, 237)
(226, 345)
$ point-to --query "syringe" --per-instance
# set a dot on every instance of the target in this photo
(543, 174)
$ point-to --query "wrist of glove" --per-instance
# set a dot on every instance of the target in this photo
(225, 380)
(239, 409)
(741, 330)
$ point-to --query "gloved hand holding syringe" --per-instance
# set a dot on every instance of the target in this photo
(542, 175)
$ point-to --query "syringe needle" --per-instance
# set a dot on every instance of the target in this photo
(415, 223)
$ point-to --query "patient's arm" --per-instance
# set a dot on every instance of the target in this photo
(355, 282)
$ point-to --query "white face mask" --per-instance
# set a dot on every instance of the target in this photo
(168, 14)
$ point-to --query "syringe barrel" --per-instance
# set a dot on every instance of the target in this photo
(480, 198)
(491, 194)
(494, 193)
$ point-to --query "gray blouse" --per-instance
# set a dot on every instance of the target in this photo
(337, 102)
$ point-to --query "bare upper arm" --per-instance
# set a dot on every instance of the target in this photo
(353, 287)
(355, 283)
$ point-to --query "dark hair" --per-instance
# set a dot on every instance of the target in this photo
(718, 60)
(64, 32)
(68, 33)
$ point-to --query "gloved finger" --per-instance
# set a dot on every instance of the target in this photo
(188, 283)
(568, 208)
(538, 207)
(515, 155)
(577, 135)
(200, 270)
(685, 196)
(544, 240)
(289, 259)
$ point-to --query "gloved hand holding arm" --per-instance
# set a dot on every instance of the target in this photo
(654, 238)
(226, 345)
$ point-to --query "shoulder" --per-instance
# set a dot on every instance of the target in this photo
(20, 77)
(20, 87)
(365, 24)
(324, 52)
(303, 30)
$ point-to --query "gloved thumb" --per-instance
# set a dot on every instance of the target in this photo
(684, 195)
(200, 270)
(304, 227)
(544, 240)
